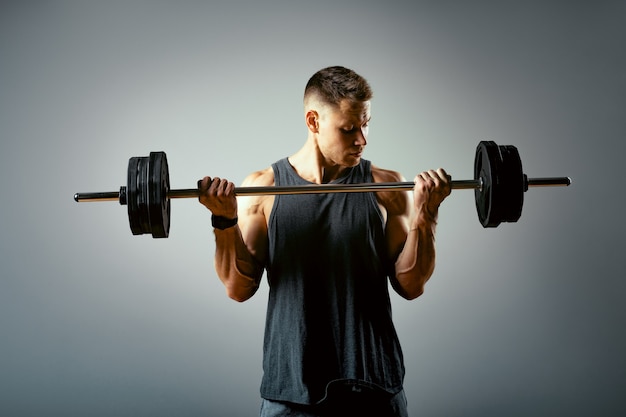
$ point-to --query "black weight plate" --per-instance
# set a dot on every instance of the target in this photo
(158, 201)
(489, 198)
(131, 196)
(143, 196)
(137, 195)
(512, 184)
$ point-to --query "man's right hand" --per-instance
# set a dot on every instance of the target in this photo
(218, 195)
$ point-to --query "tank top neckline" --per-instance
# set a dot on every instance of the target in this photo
(340, 180)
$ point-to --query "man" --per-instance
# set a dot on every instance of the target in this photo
(330, 346)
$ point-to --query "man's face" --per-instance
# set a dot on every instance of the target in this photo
(343, 132)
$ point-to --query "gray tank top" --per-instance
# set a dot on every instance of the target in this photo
(329, 314)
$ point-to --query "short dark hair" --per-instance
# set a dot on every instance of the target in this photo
(333, 84)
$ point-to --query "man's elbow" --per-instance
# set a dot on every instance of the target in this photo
(240, 286)
(240, 294)
(408, 292)
(411, 286)
(240, 298)
(413, 293)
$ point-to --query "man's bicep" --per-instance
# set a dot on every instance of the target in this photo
(397, 207)
(253, 214)
(253, 226)
(396, 231)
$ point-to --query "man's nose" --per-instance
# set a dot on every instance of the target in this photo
(361, 137)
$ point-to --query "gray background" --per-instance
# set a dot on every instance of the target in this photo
(523, 320)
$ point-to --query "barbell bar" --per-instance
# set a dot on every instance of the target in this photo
(499, 185)
(323, 189)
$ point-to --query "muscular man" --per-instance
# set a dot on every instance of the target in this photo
(330, 346)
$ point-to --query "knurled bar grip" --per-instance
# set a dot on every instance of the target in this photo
(325, 188)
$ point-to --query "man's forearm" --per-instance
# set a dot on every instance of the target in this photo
(416, 262)
(236, 267)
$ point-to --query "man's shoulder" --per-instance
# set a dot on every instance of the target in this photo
(257, 204)
(385, 175)
(261, 178)
(396, 203)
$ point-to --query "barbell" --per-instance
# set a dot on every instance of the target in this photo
(499, 185)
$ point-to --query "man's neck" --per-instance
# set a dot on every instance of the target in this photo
(311, 165)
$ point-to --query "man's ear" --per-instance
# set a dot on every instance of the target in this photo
(312, 121)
